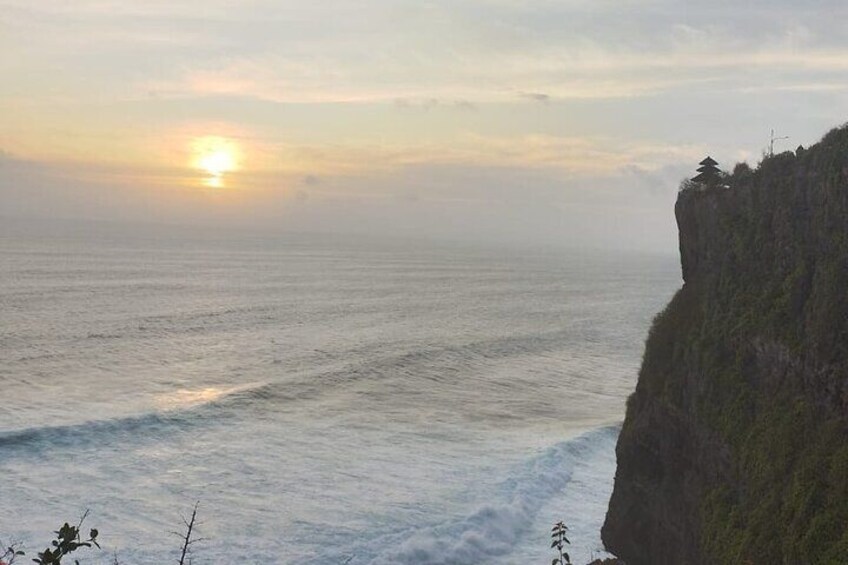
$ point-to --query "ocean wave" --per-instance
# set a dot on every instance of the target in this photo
(181, 410)
(413, 369)
(78, 435)
(438, 363)
(491, 531)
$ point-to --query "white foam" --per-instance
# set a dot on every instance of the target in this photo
(498, 530)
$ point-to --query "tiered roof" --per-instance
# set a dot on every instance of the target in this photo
(708, 172)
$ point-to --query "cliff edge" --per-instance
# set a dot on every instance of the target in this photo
(734, 448)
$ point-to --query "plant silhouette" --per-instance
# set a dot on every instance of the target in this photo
(67, 541)
(559, 540)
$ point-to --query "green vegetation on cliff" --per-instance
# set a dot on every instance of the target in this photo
(735, 445)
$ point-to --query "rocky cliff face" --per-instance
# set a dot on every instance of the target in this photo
(735, 444)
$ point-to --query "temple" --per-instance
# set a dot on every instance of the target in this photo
(708, 173)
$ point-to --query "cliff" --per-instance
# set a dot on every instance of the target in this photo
(735, 444)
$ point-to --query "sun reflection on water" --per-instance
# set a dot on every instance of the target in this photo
(184, 398)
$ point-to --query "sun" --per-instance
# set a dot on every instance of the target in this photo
(215, 156)
(218, 162)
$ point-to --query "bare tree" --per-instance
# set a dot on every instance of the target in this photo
(188, 537)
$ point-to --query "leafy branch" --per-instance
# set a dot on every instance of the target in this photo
(559, 541)
(67, 541)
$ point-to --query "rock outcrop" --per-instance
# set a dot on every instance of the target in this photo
(735, 444)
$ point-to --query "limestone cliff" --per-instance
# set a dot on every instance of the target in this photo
(735, 444)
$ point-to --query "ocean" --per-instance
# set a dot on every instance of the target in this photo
(326, 400)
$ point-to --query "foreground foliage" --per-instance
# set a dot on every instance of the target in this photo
(69, 540)
(559, 541)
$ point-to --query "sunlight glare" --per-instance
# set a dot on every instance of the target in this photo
(215, 156)
(185, 398)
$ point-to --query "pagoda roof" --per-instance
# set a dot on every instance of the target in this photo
(705, 177)
(708, 169)
(708, 161)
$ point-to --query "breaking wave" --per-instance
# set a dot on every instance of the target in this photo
(492, 531)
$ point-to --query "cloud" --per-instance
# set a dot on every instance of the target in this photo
(371, 99)
(427, 104)
(448, 200)
(458, 50)
(626, 209)
(560, 72)
(568, 156)
(536, 96)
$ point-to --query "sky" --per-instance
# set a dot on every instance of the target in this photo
(567, 122)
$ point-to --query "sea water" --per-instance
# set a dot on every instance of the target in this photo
(326, 400)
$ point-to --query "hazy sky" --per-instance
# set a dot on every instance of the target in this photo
(567, 121)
